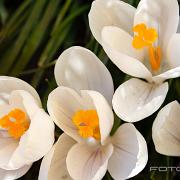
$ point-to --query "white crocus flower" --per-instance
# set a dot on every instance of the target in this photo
(166, 132)
(86, 150)
(26, 131)
(143, 43)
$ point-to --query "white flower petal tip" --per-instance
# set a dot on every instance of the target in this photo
(173, 73)
(135, 99)
(9, 84)
(151, 13)
(165, 130)
(105, 114)
(53, 166)
(118, 45)
(64, 102)
(88, 162)
(80, 69)
(13, 174)
(130, 154)
(108, 13)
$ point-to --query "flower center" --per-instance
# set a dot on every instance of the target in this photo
(16, 122)
(146, 37)
(87, 122)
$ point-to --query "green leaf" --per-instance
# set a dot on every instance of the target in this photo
(13, 22)
(56, 41)
(3, 12)
(36, 38)
(10, 58)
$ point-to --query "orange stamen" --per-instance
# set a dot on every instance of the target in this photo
(87, 122)
(146, 38)
(155, 58)
(16, 122)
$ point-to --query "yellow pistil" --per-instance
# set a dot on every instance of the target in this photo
(16, 122)
(146, 37)
(87, 122)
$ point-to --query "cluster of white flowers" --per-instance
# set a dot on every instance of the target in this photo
(143, 43)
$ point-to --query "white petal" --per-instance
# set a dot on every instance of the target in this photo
(163, 15)
(4, 133)
(8, 146)
(135, 99)
(118, 46)
(173, 63)
(173, 53)
(166, 132)
(80, 69)
(130, 153)
(173, 73)
(9, 84)
(4, 110)
(62, 104)
(121, 41)
(13, 174)
(22, 100)
(36, 142)
(53, 166)
(87, 162)
(110, 13)
(45, 165)
(105, 114)
(25, 101)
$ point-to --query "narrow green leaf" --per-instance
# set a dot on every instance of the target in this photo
(38, 75)
(7, 29)
(31, 71)
(57, 39)
(6, 41)
(3, 12)
(57, 33)
(10, 58)
(63, 12)
(36, 37)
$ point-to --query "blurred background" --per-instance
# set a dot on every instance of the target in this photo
(33, 33)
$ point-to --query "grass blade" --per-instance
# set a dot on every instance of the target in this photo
(56, 41)
(36, 38)
(10, 58)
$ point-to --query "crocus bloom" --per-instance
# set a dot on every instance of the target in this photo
(166, 132)
(26, 131)
(143, 43)
(86, 150)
